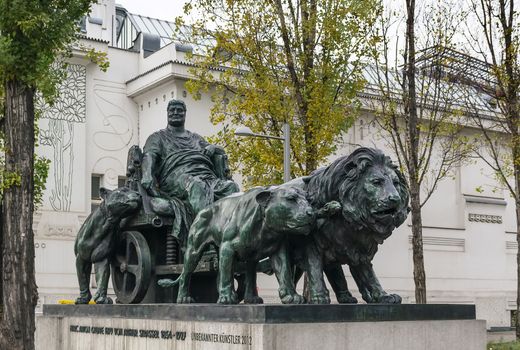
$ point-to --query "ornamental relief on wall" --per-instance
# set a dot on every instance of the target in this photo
(68, 109)
(115, 131)
(490, 219)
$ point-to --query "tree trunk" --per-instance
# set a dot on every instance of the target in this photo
(20, 291)
(1, 254)
(516, 169)
(419, 276)
(517, 321)
(413, 133)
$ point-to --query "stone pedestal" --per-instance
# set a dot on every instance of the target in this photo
(209, 326)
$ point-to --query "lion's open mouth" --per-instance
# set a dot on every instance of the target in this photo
(300, 228)
(384, 212)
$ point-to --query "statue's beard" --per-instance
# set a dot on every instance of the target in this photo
(176, 122)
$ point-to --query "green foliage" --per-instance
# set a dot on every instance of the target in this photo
(41, 171)
(503, 346)
(34, 34)
(36, 38)
(99, 58)
(294, 61)
(8, 179)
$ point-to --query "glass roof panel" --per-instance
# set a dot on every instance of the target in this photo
(158, 25)
(164, 29)
(151, 26)
(167, 28)
(141, 27)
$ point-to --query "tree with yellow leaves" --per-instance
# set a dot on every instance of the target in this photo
(272, 62)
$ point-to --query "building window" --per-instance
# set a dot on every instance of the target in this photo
(83, 25)
(95, 196)
(121, 181)
(361, 129)
(513, 318)
(95, 186)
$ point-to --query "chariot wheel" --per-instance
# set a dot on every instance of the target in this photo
(131, 268)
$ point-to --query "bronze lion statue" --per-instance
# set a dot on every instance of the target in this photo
(249, 227)
(374, 198)
(97, 238)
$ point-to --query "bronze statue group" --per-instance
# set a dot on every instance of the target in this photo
(337, 215)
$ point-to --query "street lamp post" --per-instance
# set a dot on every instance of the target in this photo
(245, 131)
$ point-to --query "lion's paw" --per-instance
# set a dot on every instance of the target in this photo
(226, 298)
(390, 299)
(103, 300)
(319, 299)
(346, 298)
(99, 294)
(83, 299)
(185, 300)
(255, 299)
(293, 299)
(329, 209)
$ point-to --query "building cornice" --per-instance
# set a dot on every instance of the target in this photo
(183, 63)
(367, 94)
(85, 37)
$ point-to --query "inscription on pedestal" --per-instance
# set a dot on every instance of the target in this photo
(259, 327)
(130, 332)
(221, 338)
(165, 334)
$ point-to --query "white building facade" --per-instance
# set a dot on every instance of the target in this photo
(469, 235)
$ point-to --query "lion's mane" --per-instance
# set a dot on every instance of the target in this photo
(340, 181)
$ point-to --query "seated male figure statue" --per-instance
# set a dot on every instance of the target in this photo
(180, 165)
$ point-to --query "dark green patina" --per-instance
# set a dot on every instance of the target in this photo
(337, 215)
(249, 227)
(97, 238)
(180, 166)
(177, 175)
(374, 198)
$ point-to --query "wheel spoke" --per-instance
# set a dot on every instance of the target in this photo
(125, 281)
(131, 268)
(128, 250)
(119, 260)
(134, 270)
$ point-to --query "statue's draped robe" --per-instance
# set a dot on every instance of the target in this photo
(182, 163)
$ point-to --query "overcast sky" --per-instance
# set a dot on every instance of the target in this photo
(161, 9)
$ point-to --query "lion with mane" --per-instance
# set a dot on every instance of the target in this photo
(374, 198)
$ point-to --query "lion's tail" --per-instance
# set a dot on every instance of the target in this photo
(166, 282)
